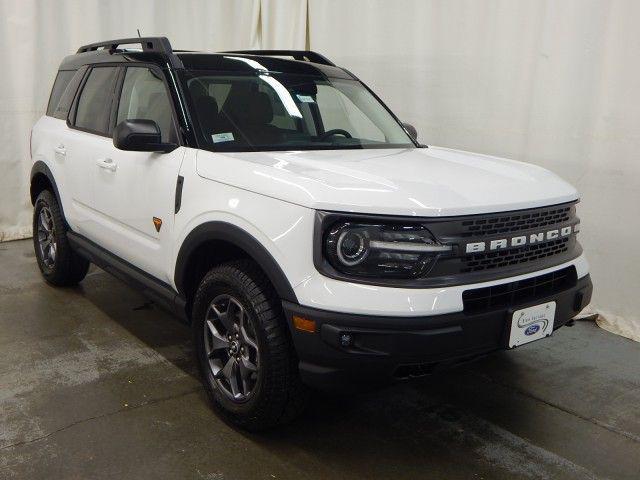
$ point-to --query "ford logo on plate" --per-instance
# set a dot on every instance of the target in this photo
(531, 329)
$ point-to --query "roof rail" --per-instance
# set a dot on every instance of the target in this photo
(304, 55)
(148, 44)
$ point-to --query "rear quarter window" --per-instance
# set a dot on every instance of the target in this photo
(64, 104)
(59, 86)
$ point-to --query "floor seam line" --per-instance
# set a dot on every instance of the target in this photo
(97, 417)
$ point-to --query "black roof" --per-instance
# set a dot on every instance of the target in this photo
(158, 50)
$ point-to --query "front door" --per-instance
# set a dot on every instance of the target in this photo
(135, 191)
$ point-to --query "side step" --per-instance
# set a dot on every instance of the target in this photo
(159, 292)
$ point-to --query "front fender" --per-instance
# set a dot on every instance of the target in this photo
(217, 230)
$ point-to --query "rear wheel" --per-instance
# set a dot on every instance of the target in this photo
(59, 264)
(243, 347)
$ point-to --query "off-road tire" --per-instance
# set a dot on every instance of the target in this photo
(69, 268)
(278, 396)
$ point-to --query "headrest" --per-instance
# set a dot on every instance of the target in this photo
(206, 104)
(252, 108)
(207, 111)
(197, 90)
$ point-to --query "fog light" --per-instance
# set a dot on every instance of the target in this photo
(346, 339)
(304, 324)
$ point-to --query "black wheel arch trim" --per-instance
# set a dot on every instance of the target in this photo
(223, 231)
(41, 168)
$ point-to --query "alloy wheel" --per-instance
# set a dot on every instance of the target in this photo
(47, 238)
(231, 347)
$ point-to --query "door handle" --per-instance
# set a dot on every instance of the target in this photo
(60, 150)
(107, 164)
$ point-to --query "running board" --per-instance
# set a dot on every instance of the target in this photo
(159, 292)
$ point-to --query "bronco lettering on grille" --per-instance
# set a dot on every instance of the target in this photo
(520, 240)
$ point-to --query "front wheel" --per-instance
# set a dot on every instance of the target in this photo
(243, 347)
(59, 264)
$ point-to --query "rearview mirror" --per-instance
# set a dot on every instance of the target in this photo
(140, 135)
(411, 130)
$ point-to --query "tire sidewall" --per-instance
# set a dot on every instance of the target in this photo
(213, 287)
(45, 199)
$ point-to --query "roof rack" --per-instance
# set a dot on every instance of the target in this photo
(304, 55)
(148, 44)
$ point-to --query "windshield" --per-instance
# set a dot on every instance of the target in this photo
(276, 111)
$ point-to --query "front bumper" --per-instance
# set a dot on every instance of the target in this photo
(386, 348)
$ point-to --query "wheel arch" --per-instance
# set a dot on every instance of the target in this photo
(218, 234)
(42, 179)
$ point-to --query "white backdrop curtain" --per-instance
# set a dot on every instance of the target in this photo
(36, 35)
(547, 82)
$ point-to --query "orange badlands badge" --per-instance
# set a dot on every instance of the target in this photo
(157, 223)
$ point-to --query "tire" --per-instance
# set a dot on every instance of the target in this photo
(272, 395)
(64, 267)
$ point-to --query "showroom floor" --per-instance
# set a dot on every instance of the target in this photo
(96, 383)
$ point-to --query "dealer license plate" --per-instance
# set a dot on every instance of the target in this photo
(532, 323)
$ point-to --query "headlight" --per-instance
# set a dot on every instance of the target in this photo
(381, 250)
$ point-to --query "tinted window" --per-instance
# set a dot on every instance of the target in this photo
(94, 104)
(69, 94)
(62, 80)
(144, 96)
(279, 111)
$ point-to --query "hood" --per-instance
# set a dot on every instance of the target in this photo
(428, 182)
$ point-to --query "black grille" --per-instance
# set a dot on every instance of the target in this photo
(484, 246)
(516, 222)
(517, 293)
(513, 256)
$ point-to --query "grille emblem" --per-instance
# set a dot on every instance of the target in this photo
(521, 240)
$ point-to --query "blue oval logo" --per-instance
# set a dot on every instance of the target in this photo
(531, 329)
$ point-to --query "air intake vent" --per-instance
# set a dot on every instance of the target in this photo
(519, 292)
(514, 256)
(516, 222)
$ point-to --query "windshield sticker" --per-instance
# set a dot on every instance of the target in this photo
(222, 137)
(305, 98)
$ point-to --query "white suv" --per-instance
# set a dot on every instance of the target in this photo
(279, 207)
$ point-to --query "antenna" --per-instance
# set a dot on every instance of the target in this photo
(139, 36)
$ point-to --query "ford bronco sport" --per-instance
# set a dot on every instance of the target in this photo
(272, 201)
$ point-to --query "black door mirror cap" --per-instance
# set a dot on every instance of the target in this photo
(411, 130)
(140, 135)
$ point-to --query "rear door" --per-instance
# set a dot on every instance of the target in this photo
(86, 142)
(134, 192)
(51, 132)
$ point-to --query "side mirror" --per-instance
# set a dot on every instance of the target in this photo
(139, 135)
(412, 130)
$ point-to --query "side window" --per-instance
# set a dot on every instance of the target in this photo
(94, 104)
(64, 105)
(59, 86)
(219, 91)
(338, 111)
(281, 118)
(144, 96)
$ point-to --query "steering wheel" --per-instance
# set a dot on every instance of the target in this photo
(335, 131)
